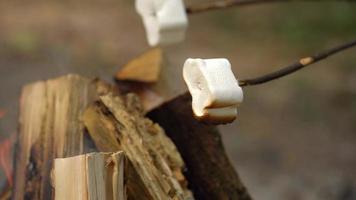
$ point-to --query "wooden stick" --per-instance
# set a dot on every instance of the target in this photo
(222, 4)
(297, 65)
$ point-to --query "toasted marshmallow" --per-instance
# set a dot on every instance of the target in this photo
(165, 21)
(215, 91)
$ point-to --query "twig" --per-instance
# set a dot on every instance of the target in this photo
(297, 66)
(230, 3)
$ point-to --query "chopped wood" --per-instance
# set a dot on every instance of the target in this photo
(154, 164)
(56, 114)
(137, 77)
(145, 68)
(149, 98)
(209, 171)
(89, 177)
(51, 127)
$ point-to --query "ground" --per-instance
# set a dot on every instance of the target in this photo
(294, 137)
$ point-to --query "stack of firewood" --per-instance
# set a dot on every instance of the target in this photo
(82, 138)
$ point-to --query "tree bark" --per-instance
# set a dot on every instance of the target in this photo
(209, 172)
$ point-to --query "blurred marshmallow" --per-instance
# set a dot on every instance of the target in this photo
(165, 21)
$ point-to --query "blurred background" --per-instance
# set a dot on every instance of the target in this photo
(295, 138)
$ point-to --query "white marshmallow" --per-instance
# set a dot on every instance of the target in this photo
(165, 21)
(215, 91)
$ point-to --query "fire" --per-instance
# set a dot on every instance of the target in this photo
(2, 113)
(6, 157)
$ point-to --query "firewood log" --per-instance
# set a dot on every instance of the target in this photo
(209, 172)
(51, 127)
(155, 166)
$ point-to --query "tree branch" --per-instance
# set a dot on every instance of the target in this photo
(231, 3)
(297, 66)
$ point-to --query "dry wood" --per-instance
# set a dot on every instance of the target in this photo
(50, 127)
(148, 96)
(209, 172)
(144, 68)
(223, 4)
(152, 77)
(89, 177)
(154, 170)
(300, 64)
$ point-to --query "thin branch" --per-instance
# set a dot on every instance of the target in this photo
(297, 66)
(221, 4)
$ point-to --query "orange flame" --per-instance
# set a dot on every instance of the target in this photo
(6, 158)
(2, 113)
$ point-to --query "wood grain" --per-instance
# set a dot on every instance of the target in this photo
(155, 166)
(209, 171)
(50, 127)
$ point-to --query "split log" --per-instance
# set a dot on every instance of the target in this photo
(89, 176)
(145, 68)
(152, 77)
(154, 172)
(51, 127)
(209, 171)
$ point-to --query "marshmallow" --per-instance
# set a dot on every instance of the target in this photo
(165, 21)
(215, 91)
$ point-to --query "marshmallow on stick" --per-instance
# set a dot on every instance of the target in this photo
(215, 91)
(165, 21)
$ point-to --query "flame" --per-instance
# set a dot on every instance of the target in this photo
(2, 113)
(6, 157)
